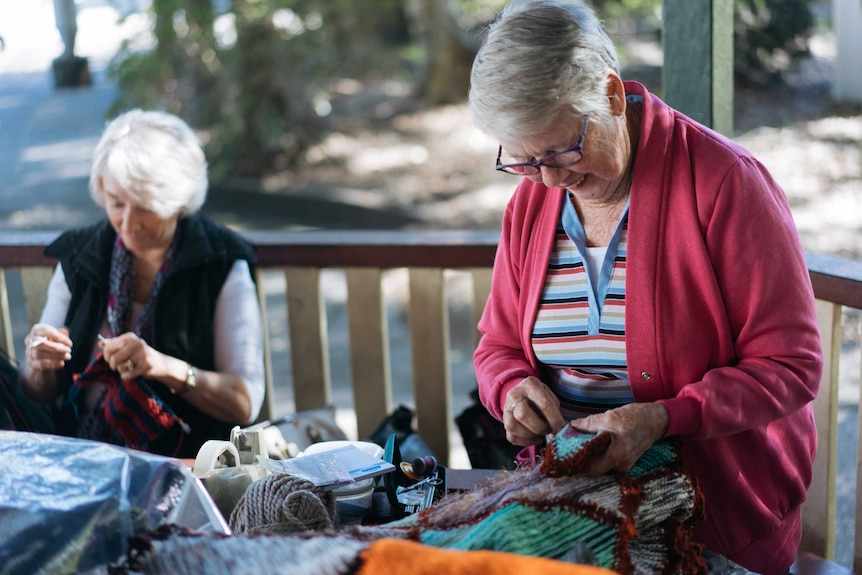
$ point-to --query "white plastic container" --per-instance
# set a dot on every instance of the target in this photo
(353, 501)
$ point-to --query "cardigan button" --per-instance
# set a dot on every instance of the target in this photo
(645, 375)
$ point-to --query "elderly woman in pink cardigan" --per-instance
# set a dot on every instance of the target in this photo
(649, 283)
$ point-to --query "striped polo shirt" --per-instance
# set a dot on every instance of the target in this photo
(579, 332)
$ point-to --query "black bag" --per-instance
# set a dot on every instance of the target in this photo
(400, 424)
(485, 438)
(17, 413)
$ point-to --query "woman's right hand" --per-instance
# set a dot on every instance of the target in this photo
(48, 348)
(531, 412)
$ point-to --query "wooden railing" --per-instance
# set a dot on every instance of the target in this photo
(301, 257)
(364, 257)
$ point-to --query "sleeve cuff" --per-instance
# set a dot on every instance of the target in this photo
(683, 416)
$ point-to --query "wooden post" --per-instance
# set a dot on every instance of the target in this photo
(697, 76)
(847, 25)
(69, 70)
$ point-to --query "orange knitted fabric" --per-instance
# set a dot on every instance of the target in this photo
(396, 557)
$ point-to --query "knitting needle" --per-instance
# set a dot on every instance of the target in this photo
(39, 340)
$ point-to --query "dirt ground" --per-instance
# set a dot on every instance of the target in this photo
(435, 166)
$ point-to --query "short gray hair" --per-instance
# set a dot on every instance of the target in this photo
(540, 57)
(156, 158)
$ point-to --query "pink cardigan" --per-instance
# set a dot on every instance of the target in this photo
(720, 325)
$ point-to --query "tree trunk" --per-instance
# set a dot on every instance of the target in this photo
(450, 55)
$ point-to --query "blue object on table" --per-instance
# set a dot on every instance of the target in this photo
(70, 505)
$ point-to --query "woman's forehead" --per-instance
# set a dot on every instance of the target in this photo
(114, 187)
(560, 134)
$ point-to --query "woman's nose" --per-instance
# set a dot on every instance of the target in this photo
(127, 221)
(552, 177)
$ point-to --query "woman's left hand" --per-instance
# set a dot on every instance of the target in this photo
(219, 394)
(633, 427)
(131, 357)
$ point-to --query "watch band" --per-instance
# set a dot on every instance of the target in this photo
(191, 379)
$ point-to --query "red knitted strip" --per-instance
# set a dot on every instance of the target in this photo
(129, 424)
(632, 496)
(152, 407)
(683, 554)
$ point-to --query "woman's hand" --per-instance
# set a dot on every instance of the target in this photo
(221, 395)
(132, 357)
(531, 412)
(48, 348)
(633, 427)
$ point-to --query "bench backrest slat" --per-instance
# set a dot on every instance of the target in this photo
(369, 348)
(35, 281)
(429, 337)
(306, 314)
(7, 339)
(819, 509)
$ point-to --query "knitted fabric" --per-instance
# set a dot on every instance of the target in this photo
(130, 406)
(513, 523)
(397, 557)
(634, 523)
(173, 550)
(282, 503)
(570, 452)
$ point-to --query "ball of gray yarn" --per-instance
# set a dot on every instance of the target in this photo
(282, 503)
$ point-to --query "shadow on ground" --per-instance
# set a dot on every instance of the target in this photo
(307, 207)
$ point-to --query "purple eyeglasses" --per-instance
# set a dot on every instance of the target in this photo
(561, 159)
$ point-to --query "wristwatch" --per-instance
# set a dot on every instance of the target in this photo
(191, 379)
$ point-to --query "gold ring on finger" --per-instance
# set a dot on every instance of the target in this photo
(128, 365)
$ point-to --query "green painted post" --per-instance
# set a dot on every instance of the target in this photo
(697, 76)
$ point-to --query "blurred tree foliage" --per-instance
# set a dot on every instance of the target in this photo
(259, 78)
(769, 35)
(256, 76)
(614, 9)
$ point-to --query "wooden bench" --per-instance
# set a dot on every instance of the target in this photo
(365, 257)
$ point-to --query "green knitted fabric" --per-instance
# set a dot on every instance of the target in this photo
(633, 523)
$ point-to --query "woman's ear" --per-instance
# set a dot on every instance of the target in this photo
(616, 94)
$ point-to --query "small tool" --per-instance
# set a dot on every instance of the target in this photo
(432, 481)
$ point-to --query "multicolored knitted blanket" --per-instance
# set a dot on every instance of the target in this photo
(634, 523)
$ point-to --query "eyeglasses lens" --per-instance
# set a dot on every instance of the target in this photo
(561, 160)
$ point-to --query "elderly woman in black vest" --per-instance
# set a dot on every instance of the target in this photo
(151, 336)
